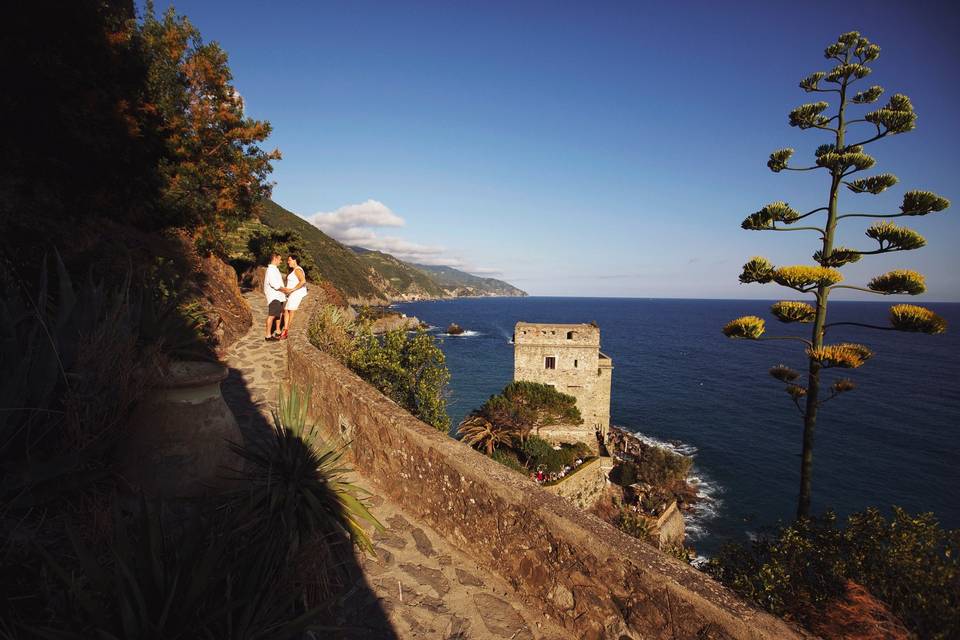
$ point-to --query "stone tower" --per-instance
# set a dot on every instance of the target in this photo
(568, 358)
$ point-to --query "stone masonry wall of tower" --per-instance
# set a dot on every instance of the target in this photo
(568, 357)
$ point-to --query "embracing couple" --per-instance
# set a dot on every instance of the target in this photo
(282, 301)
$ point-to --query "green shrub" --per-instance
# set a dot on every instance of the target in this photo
(411, 370)
(525, 407)
(908, 562)
(657, 466)
(509, 458)
(331, 330)
(635, 524)
(536, 447)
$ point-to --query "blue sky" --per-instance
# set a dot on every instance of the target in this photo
(586, 149)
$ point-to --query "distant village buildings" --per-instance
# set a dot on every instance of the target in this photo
(568, 358)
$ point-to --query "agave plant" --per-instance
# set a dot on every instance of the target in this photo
(840, 159)
(297, 482)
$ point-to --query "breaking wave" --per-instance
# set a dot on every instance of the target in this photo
(708, 502)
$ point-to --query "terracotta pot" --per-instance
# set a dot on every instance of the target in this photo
(178, 440)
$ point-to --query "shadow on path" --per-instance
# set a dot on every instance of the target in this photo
(332, 566)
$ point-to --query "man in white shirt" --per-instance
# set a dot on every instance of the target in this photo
(272, 289)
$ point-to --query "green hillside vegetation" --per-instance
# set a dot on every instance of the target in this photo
(403, 277)
(450, 278)
(336, 262)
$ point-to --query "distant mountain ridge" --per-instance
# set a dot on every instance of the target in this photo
(373, 277)
(471, 285)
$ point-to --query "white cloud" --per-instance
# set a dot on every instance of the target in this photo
(355, 220)
(354, 225)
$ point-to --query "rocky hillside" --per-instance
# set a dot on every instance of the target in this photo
(337, 263)
(368, 277)
(460, 283)
(400, 280)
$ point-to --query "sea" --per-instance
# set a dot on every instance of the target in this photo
(893, 440)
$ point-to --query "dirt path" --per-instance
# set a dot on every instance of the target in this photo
(418, 586)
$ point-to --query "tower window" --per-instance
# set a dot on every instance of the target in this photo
(575, 362)
(570, 335)
(550, 362)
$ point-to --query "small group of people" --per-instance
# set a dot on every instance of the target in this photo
(540, 475)
(283, 300)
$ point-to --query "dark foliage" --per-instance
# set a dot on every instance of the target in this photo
(265, 242)
(909, 563)
(656, 466)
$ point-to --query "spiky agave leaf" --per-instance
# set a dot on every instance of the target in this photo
(784, 373)
(296, 483)
(845, 355)
(895, 238)
(804, 277)
(765, 218)
(899, 281)
(837, 257)
(757, 269)
(868, 96)
(791, 311)
(920, 203)
(778, 160)
(896, 117)
(810, 83)
(874, 184)
(809, 115)
(909, 317)
(747, 327)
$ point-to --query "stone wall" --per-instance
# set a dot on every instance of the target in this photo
(581, 371)
(583, 487)
(593, 579)
(670, 526)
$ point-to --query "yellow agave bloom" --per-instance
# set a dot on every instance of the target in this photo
(804, 277)
(910, 317)
(748, 327)
(901, 281)
(846, 355)
(790, 311)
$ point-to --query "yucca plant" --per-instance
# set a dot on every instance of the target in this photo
(840, 159)
(297, 483)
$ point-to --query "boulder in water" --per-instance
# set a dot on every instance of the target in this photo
(454, 329)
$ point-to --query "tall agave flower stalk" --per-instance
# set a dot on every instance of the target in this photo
(840, 160)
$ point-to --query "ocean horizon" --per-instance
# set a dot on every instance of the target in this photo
(678, 381)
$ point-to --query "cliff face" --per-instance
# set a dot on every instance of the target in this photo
(227, 310)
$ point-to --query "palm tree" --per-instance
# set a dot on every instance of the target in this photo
(481, 433)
